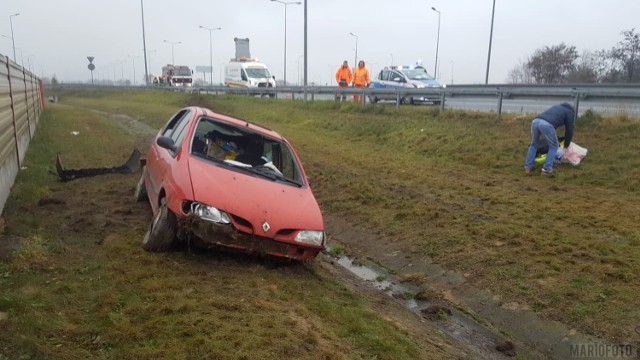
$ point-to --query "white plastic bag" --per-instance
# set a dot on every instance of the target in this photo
(574, 154)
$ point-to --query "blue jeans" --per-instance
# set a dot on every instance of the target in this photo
(541, 132)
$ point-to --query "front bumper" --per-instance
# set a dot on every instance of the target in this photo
(211, 235)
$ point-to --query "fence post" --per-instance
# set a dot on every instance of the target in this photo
(576, 104)
(499, 110)
(442, 99)
(397, 99)
(13, 113)
(26, 102)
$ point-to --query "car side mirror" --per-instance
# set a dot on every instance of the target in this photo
(274, 77)
(167, 143)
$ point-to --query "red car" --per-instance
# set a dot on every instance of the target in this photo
(220, 181)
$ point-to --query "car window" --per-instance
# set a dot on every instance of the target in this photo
(171, 124)
(396, 76)
(180, 130)
(288, 166)
(384, 75)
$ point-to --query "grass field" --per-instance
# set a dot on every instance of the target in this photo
(79, 285)
(447, 186)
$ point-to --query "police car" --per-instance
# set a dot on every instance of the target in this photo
(405, 76)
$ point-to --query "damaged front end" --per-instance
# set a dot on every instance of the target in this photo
(209, 227)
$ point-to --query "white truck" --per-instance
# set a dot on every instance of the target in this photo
(243, 71)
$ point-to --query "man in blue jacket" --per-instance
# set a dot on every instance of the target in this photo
(543, 130)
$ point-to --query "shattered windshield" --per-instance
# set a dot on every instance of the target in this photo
(246, 150)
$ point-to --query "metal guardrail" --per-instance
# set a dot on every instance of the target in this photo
(571, 92)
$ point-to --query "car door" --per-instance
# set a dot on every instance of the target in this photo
(396, 79)
(384, 78)
(160, 160)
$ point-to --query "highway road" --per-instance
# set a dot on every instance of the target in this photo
(613, 107)
(630, 108)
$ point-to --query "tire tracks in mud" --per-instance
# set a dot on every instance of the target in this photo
(490, 328)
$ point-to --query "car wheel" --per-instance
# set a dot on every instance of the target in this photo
(140, 194)
(373, 99)
(162, 231)
(411, 101)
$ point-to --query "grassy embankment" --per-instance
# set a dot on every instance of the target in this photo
(452, 187)
(80, 286)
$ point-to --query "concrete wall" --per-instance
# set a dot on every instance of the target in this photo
(21, 103)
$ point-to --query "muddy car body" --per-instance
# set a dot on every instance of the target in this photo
(222, 181)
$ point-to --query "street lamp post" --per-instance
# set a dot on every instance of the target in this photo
(149, 60)
(133, 61)
(144, 47)
(300, 56)
(452, 63)
(435, 73)
(210, 49)
(173, 61)
(21, 56)
(29, 61)
(486, 79)
(355, 62)
(285, 3)
(13, 39)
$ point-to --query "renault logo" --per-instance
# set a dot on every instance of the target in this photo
(265, 226)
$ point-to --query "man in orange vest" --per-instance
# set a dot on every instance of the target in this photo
(360, 79)
(343, 78)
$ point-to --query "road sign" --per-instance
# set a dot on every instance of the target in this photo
(203, 68)
(91, 67)
(90, 58)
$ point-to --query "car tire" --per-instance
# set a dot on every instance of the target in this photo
(161, 235)
(373, 99)
(140, 194)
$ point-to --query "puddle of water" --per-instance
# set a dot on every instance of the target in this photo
(477, 338)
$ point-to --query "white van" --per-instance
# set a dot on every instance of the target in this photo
(248, 73)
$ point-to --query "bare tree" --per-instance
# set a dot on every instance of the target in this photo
(520, 74)
(587, 69)
(627, 55)
(551, 65)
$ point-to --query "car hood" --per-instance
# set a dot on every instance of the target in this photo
(255, 199)
(426, 82)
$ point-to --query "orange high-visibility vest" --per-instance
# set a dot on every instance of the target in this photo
(344, 73)
(361, 77)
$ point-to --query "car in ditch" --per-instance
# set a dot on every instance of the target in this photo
(405, 77)
(223, 182)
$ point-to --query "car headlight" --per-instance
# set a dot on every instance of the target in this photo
(312, 237)
(209, 213)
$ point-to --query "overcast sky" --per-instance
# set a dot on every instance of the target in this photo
(56, 36)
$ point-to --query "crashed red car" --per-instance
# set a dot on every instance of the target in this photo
(220, 181)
